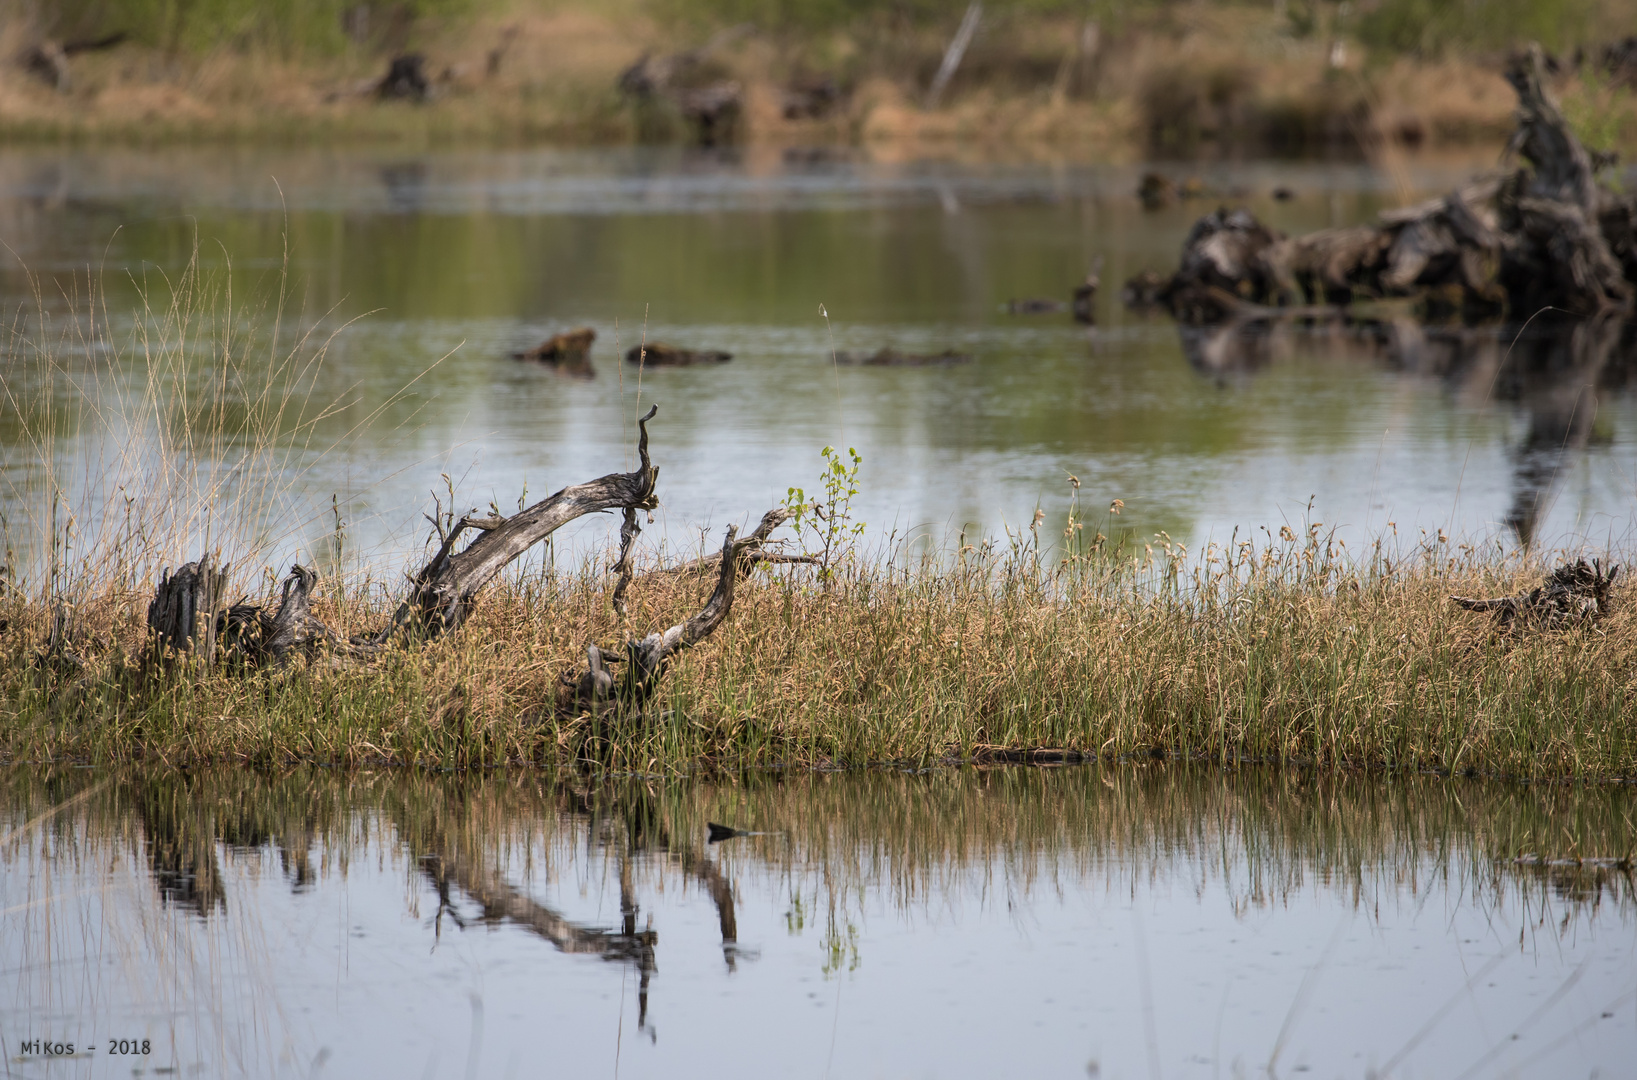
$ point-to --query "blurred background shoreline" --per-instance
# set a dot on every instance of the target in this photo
(1121, 81)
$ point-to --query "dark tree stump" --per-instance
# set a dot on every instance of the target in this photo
(405, 79)
(182, 600)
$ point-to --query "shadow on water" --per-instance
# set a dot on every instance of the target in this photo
(1555, 370)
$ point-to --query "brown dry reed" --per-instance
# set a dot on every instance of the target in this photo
(1287, 646)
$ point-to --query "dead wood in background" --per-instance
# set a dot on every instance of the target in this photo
(568, 352)
(1544, 235)
(888, 357)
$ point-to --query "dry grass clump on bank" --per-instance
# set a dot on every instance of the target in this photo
(1288, 650)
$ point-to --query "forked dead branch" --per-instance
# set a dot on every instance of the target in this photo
(187, 614)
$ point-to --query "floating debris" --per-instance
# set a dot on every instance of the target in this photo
(1085, 294)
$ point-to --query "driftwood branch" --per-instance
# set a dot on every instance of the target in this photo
(445, 588)
(628, 536)
(444, 591)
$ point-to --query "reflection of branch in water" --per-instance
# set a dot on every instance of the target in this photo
(1556, 378)
(644, 829)
(721, 893)
(1553, 369)
(502, 902)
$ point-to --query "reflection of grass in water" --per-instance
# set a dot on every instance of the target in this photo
(92, 932)
(922, 845)
(1268, 835)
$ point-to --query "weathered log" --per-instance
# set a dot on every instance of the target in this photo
(405, 79)
(659, 354)
(1573, 594)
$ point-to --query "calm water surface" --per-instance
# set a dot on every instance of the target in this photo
(1115, 921)
(430, 268)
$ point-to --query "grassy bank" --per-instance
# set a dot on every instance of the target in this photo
(1289, 650)
(1128, 77)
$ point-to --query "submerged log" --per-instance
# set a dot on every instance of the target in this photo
(1034, 306)
(1573, 594)
(893, 358)
(659, 354)
(1544, 235)
(570, 348)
